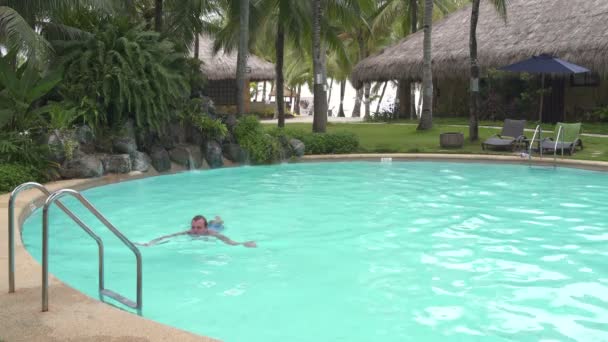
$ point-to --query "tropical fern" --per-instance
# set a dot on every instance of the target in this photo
(130, 72)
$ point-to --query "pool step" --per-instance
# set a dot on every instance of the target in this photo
(119, 298)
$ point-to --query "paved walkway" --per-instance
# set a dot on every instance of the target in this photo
(333, 119)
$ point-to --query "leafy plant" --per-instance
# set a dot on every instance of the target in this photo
(193, 114)
(12, 175)
(124, 72)
(212, 129)
(23, 148)
(19, 91)
(600, 114)
(262, 147)
(322, 143)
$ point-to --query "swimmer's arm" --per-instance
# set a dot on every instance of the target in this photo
(228, 241)
(157, 240)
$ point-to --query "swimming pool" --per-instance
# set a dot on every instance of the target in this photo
(357, 251)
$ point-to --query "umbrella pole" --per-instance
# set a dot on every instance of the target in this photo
(542, 97)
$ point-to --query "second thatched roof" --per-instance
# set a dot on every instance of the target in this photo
(222, 65)
(575, 30)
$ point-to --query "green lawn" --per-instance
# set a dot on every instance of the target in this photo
(595, 128)
(400, 138)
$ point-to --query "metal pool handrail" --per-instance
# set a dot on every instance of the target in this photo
(559, 134)
(54, 197)
(539, 131)
(11, 231)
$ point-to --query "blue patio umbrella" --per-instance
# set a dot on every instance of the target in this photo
(545, 64)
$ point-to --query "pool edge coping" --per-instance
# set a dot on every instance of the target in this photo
(63, 298)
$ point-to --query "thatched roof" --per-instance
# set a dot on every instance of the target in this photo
(222, 65)
(574, 30)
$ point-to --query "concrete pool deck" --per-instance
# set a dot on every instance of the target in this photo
(73, 316)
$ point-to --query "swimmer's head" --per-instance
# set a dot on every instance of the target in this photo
(199, 222)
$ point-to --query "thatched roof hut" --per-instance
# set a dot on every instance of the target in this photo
(222, 65)
(575, 30)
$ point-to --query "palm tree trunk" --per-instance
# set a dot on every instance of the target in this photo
(158, 15)
(342, 92)
(366, 99)
(320, 98)
(357, 108)
(264, 92)
(413, 16)
(297, 104)
(381, 97)
(413, 29)
(241, 66)
(280, 50)
(426, 119)
(331, 86)
(474, 105)
(197, 44)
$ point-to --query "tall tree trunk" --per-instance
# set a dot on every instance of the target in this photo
(403, 100)
(331, 86)
(357, 108)
(413, 16)
(241, 66)
(318, 51)
(280, 50)
(413, 29)
(366, 99)
(197, 44)
(342, 92)
(474, 105)
(426, 119)
(297, 104)
(381, 97)
(158, 16)
(264, 92)
(366, 86)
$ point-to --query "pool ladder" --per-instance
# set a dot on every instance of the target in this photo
(539, 131)
(54, 198)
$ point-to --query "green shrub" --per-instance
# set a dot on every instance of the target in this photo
(321, 143)
(192, 114)
(12, 175)
(124, 71)
(262, 148)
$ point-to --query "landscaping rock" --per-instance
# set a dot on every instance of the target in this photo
(126, 145)
(187, 155)
(213, 154)
(160, 158)
(140, 161)
(298, 147)
(178, 133)
(62, 145)
(55, 143)
(116, 163)
(235, 153)
(195, 136)
(82, 166)
(128, 129)
(86, 138)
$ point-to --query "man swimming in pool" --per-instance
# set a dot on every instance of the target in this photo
(200, 227)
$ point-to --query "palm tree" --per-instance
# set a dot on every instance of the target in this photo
(287, 19)
(501, 7)
(397, 19)
(426, 118)
(22, 20)
(241, 68)
(320, 78)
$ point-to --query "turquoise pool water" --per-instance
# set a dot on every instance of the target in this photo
(357, 251)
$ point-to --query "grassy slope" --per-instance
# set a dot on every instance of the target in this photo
(386, 138)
